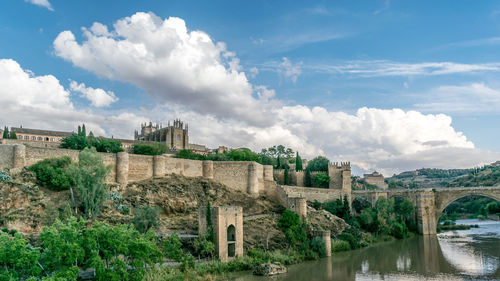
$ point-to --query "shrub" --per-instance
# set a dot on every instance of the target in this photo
(188, 154)
(318, 246)
(319, 163)
(18, 259)
(203, 247)
(340, 245)
(145, 218)
(149, 148)
(52, 173)
(89, 175)
(172, 248)
(399, 230)
(77, 142)
(106, 145)
(295, 230)
(4, 176)
(322, 180)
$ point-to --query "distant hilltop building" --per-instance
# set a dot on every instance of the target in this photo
(39, 135)
(375, 178)
(175, 136)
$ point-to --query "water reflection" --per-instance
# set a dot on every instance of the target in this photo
(458, 255)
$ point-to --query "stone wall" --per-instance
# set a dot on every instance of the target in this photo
(240, 175)
(312, 194)
(6, 156)
(279, 176)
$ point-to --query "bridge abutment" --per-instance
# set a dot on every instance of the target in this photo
(426, 212)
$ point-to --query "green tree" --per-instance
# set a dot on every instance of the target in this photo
(188, 154)
(145, 218)
(76, 142)
(307, 180)
(319, 163)
(105, 145)
(18, 259)
(149, 148)
(322, 180)
(210, 224)
(84, 131)
(298, 162)
(295, 230)
(6, 133)
(88, 176)
(13, 135)
(172, 248)
(80, 130)
(287, 177)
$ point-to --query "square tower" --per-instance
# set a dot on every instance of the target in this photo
(227, 223)
(340, 176)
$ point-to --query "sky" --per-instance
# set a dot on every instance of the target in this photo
(387, 85)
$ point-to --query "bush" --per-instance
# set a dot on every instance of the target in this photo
(106, 145)
(203, 247)
(318, 246)
(145, 218)
(340, 245)
(172, 248)
(77, 142)
(52, 173)
(319, 163)
(322, 180)
(4, 176)
(399, 230)
(149, 148)
(295, 230)
(88, 176)
(188, 154)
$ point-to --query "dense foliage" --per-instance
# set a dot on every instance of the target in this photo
(322, 180)
(319, 163)
(88, 176)
(298, 162)
(116, 252)
(486, 176)
(80, 142)
(145, 218)
(297, 237)
(153, 148)
(53, 173)
(471, 207)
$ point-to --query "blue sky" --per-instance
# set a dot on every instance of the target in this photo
(437, 59)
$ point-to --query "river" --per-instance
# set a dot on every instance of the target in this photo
(452, 255)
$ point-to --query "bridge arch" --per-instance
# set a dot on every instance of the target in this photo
(443, 199)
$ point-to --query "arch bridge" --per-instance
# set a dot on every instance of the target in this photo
(429, 203)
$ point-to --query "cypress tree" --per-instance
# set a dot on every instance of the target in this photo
(298, 162)
(307, 180)
(278, 164)
(210, 224)
(84, 131)
(79, 130)
(13, 135)
(287, 180)
(6, 133)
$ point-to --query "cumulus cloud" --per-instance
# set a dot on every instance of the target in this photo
(471, 98)
(289, 70)
(42, 102)
(200, 81)
(98, 97)
(42, 3)
(171, 63)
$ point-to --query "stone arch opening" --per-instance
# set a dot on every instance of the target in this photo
(360, 203)
(231, 241)
(448, 206)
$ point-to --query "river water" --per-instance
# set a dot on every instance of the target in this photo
(452, 255)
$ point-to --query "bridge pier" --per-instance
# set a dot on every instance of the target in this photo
(426, 212)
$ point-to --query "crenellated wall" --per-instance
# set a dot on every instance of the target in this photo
(245, 176)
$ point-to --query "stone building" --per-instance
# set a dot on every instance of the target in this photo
(228, 229)
(39, 135)
(174, 136)
(376, 178)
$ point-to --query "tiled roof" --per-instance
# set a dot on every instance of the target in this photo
(41, 132)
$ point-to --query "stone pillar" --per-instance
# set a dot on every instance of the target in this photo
(268, 173)
(426, 213)
(325, 236)
(19, 157)
(122, 168)
(158, 166)
(253, 180)
(298, 205)
(208, 169)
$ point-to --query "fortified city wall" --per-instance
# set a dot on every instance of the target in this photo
(245, 176)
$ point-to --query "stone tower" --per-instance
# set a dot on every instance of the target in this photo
(340, 176)
(228, 229)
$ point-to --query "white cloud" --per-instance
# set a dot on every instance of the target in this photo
(98, 97)
(170, 62)
(42, 3)
(290, 71)
(378, 68)
(471, 98)
(201, 82)
(42, 102)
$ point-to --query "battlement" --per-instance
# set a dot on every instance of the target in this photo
(340, 166)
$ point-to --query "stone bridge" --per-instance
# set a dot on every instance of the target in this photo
(429, 203)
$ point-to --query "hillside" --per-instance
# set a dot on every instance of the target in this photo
(27, 208)
(430, 178)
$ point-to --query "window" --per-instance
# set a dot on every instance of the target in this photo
(46, 138)
(26, 137)
(52, 139)
(20, 137)
(40, 138)
(33, 138)
(178, 138)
